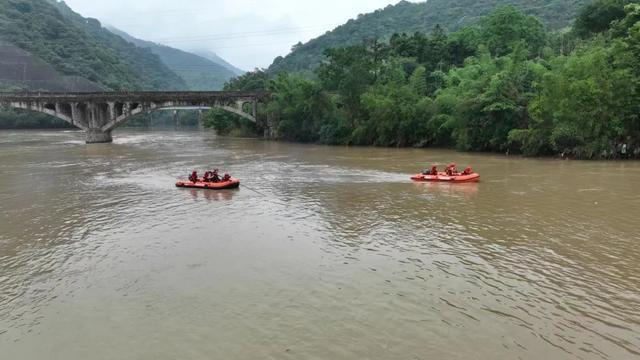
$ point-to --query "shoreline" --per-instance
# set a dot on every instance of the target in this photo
(506, 155)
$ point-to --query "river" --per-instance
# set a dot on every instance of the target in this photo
(324, 253)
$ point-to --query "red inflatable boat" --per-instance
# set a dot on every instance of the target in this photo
(222, 185)
(443, 177)
(451, 175)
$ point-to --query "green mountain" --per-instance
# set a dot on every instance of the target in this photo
(21, 70)
(208, 54)
(411, 17)
(76, 46)
(198, 72)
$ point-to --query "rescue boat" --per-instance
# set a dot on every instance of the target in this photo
(443, 177)
(451, 175)
(222, 185)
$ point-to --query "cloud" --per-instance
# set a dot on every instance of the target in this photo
(247, 33)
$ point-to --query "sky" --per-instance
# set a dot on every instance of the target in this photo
(247, 33)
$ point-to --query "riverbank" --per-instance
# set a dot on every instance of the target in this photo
(621, 151)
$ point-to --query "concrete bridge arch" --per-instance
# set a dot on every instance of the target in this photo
(99, 113)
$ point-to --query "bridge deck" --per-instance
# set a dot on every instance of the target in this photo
(131, 96)
(98, 113)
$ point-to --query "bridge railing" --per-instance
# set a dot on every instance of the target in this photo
(131, 96)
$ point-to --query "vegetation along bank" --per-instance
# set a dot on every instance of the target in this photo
(505, 84)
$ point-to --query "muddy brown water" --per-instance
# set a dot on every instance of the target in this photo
(324, 253)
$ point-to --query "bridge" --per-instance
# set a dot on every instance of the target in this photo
(99, 113)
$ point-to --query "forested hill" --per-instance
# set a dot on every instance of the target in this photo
(81, 47)
(208, 54)
(411, 17)
(199, 73)
(20, 70)
(505, 84)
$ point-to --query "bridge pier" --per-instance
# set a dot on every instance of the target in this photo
(270, 132)
(97, 136)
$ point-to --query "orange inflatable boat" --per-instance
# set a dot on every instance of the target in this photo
(443, 177)
(451, 175)
(222, 185)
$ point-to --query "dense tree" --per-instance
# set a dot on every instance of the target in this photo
(349, 71)
(229, 124)
(508, 28)
(582, 107)
(503, 85)
(490, 98)
(21, 119)
(257, 80)
(301, 107)
(226, 123)
(598, 16)
(437, 51)
(588, 101)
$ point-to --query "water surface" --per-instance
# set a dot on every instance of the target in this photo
(324, 253)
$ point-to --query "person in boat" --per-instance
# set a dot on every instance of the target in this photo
(226, 178)
(467, 171)
(432, 172)
(452, 169)
(215, 177)
(207, 176)
(193, 177)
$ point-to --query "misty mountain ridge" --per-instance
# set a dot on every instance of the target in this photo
(49, 47)
(199, 72)
(210, 55)
(78, 46)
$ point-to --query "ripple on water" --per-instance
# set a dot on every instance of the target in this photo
(326, 252)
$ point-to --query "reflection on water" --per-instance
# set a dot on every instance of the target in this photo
(465, 190)
(212, 195)
(324, 252)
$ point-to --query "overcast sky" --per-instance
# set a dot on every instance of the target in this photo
(247, 33)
